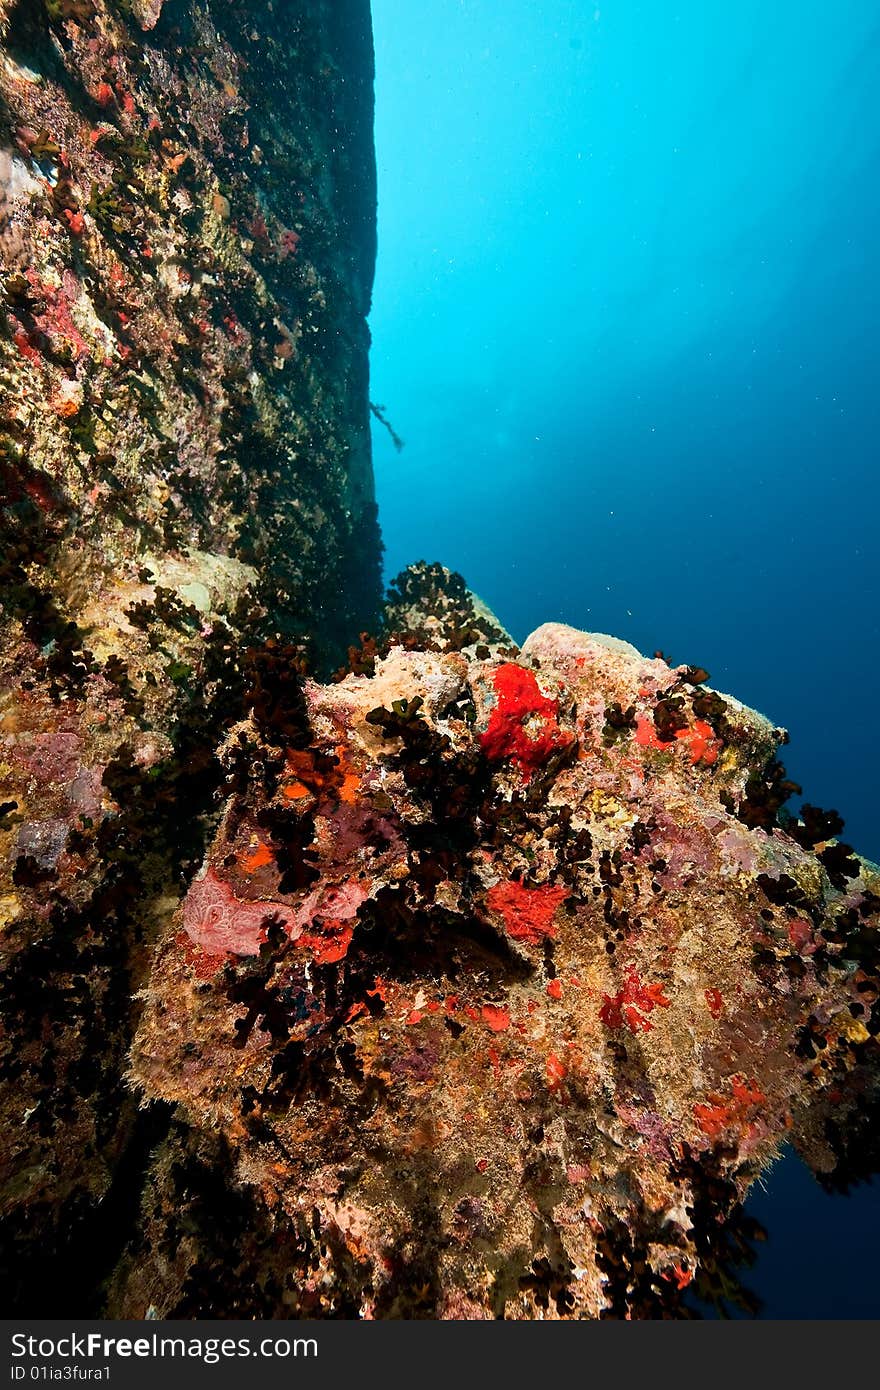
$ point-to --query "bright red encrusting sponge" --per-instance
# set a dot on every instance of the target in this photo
(702, 744)
(647, 736)
(528, 912)
(520, 699)
(630, 1005)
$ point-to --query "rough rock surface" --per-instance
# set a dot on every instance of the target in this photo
(184, 472)
(503, 979)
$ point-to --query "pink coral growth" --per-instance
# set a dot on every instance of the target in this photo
(57, 321)
(288, 245)
(215, 919)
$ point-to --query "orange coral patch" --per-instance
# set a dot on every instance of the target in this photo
(261, 855)
(556, 1071)
(330, 945)
(350, 787)
(647, 736)
(704, 746)
(295, 791)
(496, 1019)
(721, 1114)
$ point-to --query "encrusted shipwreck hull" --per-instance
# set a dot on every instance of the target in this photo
(187, 237)
(498, 987)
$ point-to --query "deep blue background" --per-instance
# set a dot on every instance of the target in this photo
(626, 319)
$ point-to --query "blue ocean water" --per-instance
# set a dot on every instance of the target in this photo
(625, 319)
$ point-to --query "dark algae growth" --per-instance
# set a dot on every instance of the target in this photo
(356, 959)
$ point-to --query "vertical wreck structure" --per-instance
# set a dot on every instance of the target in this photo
(187, 241)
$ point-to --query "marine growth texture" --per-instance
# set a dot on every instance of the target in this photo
(470, 982)
(500, 983)
(187, 237)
